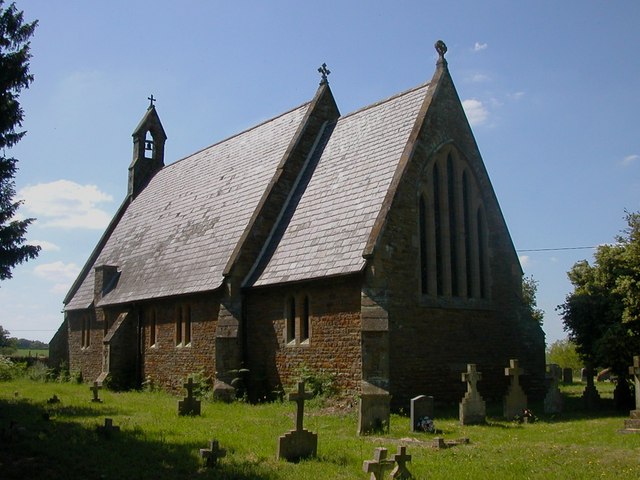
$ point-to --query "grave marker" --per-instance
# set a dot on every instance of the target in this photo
(108, 429)
(590, 396)
(401, 458)
(515, 402)
(211, 455)
(298, 443)
(378, 465)
(632, 424)
(472, 407)
(553, 399)
(189, 405)
(567, 376)
(95, 389)
(421, 407)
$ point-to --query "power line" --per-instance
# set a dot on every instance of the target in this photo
(556, 249)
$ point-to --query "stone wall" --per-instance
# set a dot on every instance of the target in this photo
(85, 358)
(334, 337)
(59, 347)
(168, 364)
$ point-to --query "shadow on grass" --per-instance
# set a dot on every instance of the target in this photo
(33, 447)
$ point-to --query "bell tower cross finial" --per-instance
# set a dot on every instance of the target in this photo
(151, 100)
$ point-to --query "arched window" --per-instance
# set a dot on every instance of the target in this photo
(468, 251)
(290, 316)
(153, 328)
(187, 324)
(482, 253)
(437, 215)
(179, 325)
(304, 320)
(424, 254)
(452, 200)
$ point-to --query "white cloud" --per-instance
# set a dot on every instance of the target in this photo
(60, 273)
(525, 261)
(516, 95)
(629, 160)
(66, 204)
(45, 245)
(479, 46)
(476, 111)
(479, 77)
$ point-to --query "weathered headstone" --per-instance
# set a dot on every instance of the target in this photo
(440, 443)
(553, 399)
(472, 407)
(211, 455)
(95, 389)
(633, 423)
(567, 376)
(108, 428)
(590, 396)
(515, 402)
(53, 400)
(401, 458)
(375, 410)
(189, 405)
(298, 443)
(378, 465)
(421, 407)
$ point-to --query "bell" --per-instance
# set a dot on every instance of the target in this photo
(148, 145)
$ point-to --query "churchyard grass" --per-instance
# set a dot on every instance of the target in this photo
(155, 443)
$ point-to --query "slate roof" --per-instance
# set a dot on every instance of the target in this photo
(179, 232)
(330, 226)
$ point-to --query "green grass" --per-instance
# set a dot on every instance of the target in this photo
(26, 352)
(155, 443)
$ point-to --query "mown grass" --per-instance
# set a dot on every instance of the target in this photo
(155, 443)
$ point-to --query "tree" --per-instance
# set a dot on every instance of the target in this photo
(563, 353)
(602, 314)
(14, 76)
(529, 291)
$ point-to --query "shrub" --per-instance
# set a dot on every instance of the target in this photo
(322, 383)
(8, 369)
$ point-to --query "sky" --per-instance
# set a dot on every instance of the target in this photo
(550, 88)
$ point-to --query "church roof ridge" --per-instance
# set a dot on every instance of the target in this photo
(385, 100)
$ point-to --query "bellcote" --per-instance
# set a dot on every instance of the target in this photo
(148, 150)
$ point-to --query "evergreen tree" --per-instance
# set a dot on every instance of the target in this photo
(14, 76)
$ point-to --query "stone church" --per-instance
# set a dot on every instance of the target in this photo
(370, 246)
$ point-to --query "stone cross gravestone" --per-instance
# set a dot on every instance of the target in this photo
(189, 405)
(553, 399)
(401, 458)
(378, 465)
(515, 402)
(211, 455)
(633, 423)
(590, 396)
(298, 443)
(421, 406)
(95, 389)
(472, 407)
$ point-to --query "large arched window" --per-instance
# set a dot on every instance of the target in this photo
(452, 229)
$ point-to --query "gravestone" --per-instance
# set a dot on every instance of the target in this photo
(95, 389)
(189, 405)
(401, 458)
(211, 455)
(472, 407)
(298, 443)
(378, 465)
(440, 443)
(375, 409)
(590, 395)
(567, 376)
(421, 406)
(553, 399)
(108, 428)
(633, 423)
(53, 400)
(515, 402)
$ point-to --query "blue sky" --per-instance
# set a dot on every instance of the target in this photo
(550, 88)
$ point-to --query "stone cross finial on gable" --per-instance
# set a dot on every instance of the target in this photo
(299, 397)
(441, 48)
(151, 100)
(324, 71)
(378, 465)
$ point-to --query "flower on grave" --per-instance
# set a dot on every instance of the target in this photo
(426, 425)
(526, 416)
